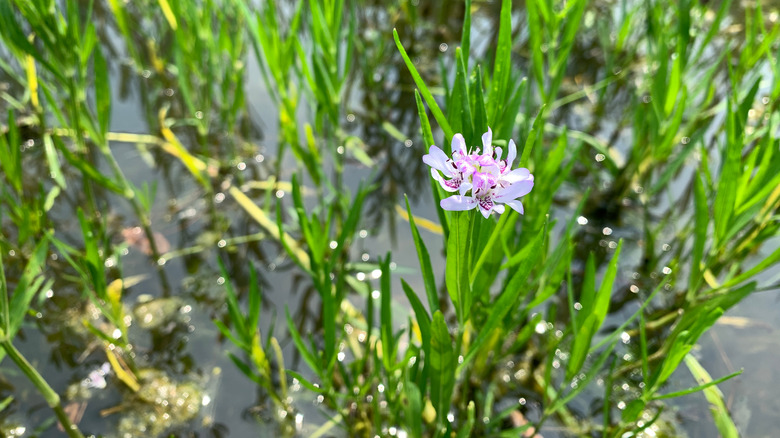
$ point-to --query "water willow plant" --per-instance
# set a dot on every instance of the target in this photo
(478, 313)
(246, 335)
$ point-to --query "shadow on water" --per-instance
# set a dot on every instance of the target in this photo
(175, 344)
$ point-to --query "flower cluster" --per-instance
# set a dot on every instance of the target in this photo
(486, 176)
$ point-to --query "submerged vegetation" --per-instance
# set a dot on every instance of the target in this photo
(224, 218)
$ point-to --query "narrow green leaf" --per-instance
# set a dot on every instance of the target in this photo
(255, 300)
(426, 93)
(465, 39)
(534, 136)
(442, 367)
(422, 317)
(102, 92)
(427, 135)
(54, 161)
(305, 382)
(595, 308)
(727, 190)
(460, 101)
(601, 306)
(307, 356)
(673, 86)
(466, 429)
(27, 287)
(429, 279)
(478, 102)
(701, 223)
(413, 408)
(720, 412)
(502, 66)
(232, 304)
(457, 269)
(386, 318)
(697, 388)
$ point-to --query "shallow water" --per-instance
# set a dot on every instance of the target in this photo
(188, 349)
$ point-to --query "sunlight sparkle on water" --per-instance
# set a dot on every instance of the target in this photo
(298, 421)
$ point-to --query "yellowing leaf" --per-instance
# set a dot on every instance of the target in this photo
(125, 375)
(169, 15)
(429, 225)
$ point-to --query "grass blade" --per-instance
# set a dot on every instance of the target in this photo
(426, 93)
(429, 279)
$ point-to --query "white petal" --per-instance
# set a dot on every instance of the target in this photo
(437, 159)
(459, 144)
(498, 208)
(464, 187)
(516, 205)
(458, 203)
(485, 212)
(441, 181)
(517, 175)
(514, 191)
(492, 169)
(498, 153)
(511, 154)
(487, 143)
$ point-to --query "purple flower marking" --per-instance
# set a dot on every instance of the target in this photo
(490, 179)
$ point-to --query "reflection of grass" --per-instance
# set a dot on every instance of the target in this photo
(684, 192)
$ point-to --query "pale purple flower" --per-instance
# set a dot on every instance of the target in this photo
(490, 179)
(97, 377)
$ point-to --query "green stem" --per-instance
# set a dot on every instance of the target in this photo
(52, 398)
(493, 238)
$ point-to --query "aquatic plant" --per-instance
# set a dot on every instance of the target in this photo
(643, 197)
